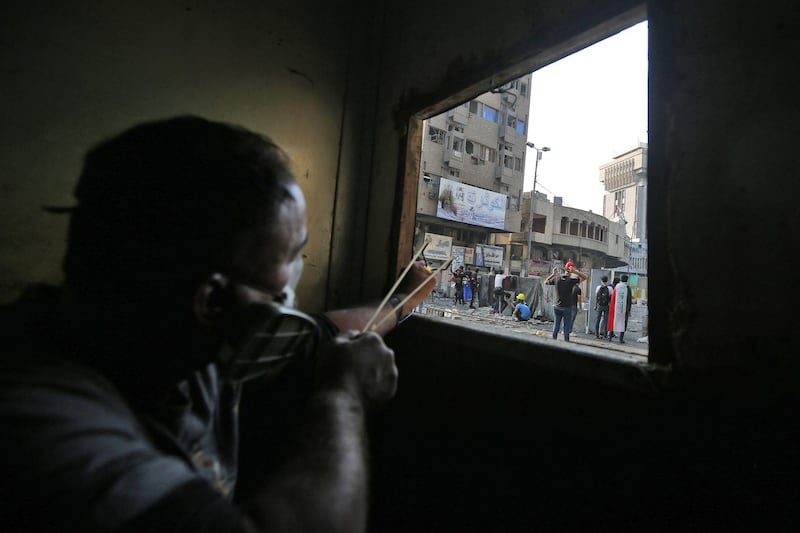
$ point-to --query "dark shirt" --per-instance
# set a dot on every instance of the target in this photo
(78, 456)
(564, 285)
(576, 291)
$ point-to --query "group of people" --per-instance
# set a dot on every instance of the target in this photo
(613, 306)
(120, 390)
(612, 303)
(465, 284)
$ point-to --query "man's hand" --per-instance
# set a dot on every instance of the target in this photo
(413, 279)
(360, 364)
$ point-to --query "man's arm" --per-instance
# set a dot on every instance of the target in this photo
(322, 486)
(356, 318)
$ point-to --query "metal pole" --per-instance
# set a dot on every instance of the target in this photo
(533, 197)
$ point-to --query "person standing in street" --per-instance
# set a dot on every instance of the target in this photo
(602, 297)
(577, 305)
(459, 280)
(499, 293)
(564, 303)
(621, 298)
(610, 326)
(473, 285)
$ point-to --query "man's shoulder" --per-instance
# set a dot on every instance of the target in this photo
(78, 439)
(52, 382)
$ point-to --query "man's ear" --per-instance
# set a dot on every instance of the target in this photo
(211, 298)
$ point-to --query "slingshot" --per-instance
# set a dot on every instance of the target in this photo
(372, 327)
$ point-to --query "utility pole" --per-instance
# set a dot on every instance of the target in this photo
(533, 197)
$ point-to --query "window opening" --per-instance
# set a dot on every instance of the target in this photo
(512, 212)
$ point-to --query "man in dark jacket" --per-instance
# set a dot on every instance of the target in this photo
(119, 393)
(564, 305)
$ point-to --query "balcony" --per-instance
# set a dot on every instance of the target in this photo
(459, 115)
(454, 158)
(504, 175)
(510, 135)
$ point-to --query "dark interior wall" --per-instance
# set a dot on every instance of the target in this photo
(510, 436)
(723, 161)
(76, 72)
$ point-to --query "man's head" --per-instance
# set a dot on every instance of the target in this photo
(177, 219)
(521, 297)
(624, 278)
(604, 279)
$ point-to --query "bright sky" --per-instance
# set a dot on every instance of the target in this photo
(588, 108)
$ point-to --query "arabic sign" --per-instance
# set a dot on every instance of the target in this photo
(439, 247)
(471, 205)
(489, 256)
(469, 256)
(539, 268)
(458, 253)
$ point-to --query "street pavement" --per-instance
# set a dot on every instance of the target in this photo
(443, 308)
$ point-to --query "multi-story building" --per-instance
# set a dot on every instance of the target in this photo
(472, 171)
(470, 198)
(625, 200)
(562, 233)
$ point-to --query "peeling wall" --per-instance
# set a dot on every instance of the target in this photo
(76, 72)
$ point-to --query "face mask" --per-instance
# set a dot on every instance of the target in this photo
(290, 295)
(265, 337)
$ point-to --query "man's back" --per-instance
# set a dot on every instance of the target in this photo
(564, 285)
(523, 311)
(603, 295)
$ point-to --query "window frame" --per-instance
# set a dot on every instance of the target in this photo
(413, 139)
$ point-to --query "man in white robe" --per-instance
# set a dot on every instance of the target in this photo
(621, 303)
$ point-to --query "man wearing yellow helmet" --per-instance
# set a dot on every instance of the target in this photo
(521, 310)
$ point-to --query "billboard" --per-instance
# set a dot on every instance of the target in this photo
(469, 256)
(489, 256)
(458, 252)
(472, 205)
(439, 248)
(539, 268)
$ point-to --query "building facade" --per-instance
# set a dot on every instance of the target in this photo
(625, 200)
(472, 168)
(561, 234)
(470, 198)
